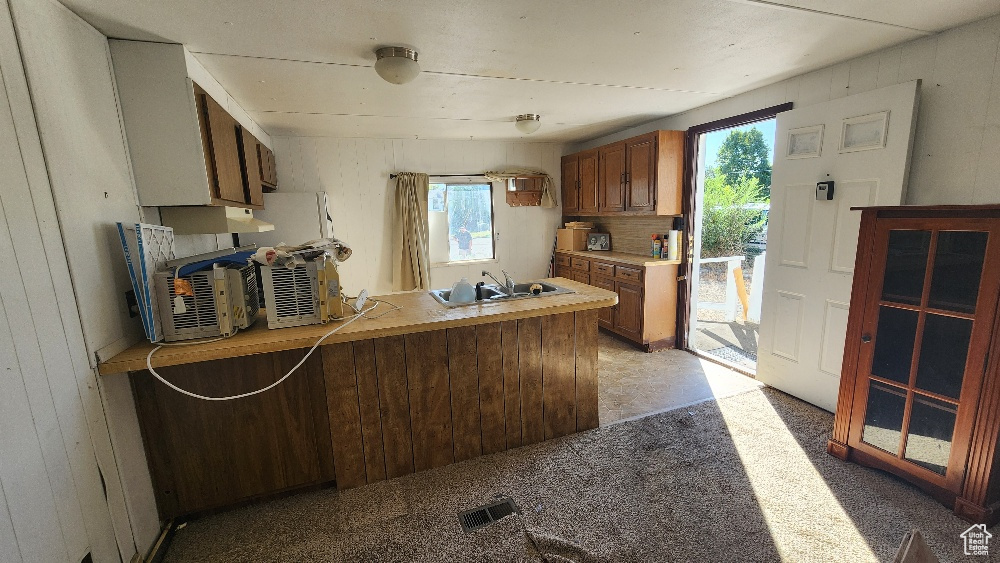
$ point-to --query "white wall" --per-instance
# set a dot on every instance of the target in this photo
(63, 429)
(956, 153)
(355, 174)
(54, 443)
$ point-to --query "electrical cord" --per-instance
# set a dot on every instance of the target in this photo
(149, 358)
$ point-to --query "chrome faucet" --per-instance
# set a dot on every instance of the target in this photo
(507, 285)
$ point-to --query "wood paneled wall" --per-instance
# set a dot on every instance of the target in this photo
(355, 174)
(958, 124)
(409, 403)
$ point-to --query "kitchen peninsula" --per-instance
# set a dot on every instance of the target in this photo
(416, 388)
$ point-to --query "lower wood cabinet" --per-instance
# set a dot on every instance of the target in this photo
(647, 296)
(920, 383)
(365, 411)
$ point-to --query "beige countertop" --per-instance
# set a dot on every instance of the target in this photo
(419, 313)
(622, 257)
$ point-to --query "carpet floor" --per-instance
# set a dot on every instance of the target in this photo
(744, 478)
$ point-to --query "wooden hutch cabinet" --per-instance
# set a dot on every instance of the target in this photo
(920, 386)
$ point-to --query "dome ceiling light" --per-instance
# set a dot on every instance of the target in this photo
(396, 65)
(527, 123)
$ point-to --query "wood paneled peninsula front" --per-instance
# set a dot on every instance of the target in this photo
(417, 388)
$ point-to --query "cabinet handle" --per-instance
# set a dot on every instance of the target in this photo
(626, 178)
(866, 338)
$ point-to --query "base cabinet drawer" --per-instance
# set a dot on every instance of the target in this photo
(630, 274)
(580, 264)
(564, 261)
(604, 269)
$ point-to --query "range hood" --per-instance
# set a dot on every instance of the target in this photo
(211, 220)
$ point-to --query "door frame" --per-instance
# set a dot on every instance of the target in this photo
(692, 161)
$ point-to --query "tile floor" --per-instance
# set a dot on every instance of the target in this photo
(633, 383)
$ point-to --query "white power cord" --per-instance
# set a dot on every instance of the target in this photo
(149, 363)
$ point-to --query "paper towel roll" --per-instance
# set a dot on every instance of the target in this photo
(673, 239)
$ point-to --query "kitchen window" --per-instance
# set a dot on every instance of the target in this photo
(460, 221)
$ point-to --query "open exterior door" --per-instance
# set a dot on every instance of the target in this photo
(862, 144)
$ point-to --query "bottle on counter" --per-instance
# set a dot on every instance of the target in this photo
(657, 246)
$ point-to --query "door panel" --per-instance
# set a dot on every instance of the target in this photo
(812, 243)
(225, 152)
(917, 384)
(612, 182)
(570, 184)
(641, 174)
(628, 315)
(254, 190)
(605, 316)
(588, 182)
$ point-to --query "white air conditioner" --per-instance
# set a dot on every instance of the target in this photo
(224, 300)
(307, 294)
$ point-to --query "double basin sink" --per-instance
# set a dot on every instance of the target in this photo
(493, 293)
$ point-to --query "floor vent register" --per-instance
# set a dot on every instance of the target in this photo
(482, 516)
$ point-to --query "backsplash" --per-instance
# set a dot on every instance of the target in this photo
(631, 234)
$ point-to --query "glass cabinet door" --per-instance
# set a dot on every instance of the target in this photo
(920, 322)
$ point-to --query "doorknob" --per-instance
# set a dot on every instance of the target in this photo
(866, 338)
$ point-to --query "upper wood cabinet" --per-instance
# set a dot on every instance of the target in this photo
(268, 171)
(571, 183)
(611, 184)
(642, 175)
(580, 182)
(186, 148)
(252, 179)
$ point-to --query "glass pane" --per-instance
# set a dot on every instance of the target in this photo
(905, 266)
(470, 221)
(928, 440)
(958, 265)
(943, 352)
(897, 329)
(884, 417)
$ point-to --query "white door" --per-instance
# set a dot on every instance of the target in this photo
(862, 143)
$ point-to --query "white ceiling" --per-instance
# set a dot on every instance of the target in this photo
(589, 67)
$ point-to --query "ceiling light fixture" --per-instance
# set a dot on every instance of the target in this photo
(527, 123)
(396, 65)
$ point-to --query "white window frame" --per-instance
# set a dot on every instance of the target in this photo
(493, 217)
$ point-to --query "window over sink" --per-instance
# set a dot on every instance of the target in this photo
(460, 221)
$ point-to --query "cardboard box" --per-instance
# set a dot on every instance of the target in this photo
(571, 239)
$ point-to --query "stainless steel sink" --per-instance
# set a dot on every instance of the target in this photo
(493, 294)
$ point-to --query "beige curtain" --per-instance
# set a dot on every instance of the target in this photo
(548, 191)
(411, 257)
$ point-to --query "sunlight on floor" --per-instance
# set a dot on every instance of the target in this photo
(783, 461)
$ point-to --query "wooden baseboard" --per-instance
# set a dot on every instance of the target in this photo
(664, 344)
(838, 450)
(971, 512)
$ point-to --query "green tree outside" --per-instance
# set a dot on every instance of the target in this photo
(732, 216)
(745, 153)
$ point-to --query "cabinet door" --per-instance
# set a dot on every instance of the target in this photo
(640, 174)
(570, 183)
(628, 314)
(222, 149)
(253, 190)
(588, 182)
(582, 277)
(612, 179)
(606, 316)
(928, 316)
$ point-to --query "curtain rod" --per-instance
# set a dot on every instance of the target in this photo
(393, 176)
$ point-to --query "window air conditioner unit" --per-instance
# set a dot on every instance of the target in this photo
(307, 294)
(221, 301)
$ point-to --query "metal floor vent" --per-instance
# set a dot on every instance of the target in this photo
(483, 516)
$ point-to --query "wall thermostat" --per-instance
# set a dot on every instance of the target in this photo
(824, 190)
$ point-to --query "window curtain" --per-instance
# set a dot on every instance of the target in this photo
(411, 256)
(548, 192)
